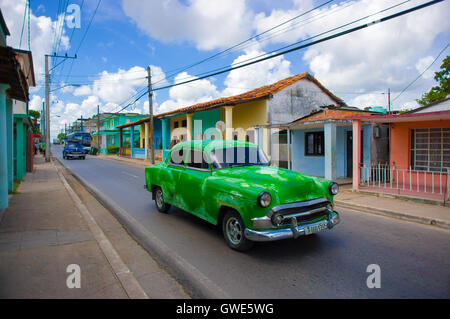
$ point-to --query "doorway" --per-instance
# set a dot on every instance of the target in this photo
(349, 153)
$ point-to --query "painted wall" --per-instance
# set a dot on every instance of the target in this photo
(400, 147)
(295, 101)
(248, 115)
(209, 120)
(315, 165)
(177, 132)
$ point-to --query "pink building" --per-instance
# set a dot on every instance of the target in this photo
(419, 154)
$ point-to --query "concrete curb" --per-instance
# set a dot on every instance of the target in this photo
(382, 212)
(129, 283)
(198, 285)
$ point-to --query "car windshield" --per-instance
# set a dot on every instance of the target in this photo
(238, 156)
(73, 145)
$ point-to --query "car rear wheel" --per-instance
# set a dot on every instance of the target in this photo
(233, 231)
(161, 205)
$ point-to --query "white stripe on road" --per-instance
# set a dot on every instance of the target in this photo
(130, 174)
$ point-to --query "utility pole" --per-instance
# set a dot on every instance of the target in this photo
(47, 111)
(150, 107)
(47, 102)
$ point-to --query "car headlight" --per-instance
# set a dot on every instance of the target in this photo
(333, 188)
(264, 199)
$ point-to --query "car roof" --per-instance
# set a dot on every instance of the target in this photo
(210, 145)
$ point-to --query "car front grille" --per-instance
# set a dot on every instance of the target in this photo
(304, 213)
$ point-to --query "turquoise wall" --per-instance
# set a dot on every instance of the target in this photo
(3, 149)
(209, 120)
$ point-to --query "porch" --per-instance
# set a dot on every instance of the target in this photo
(419, 157)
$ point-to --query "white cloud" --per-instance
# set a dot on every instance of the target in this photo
(41, 33)
(422, 64)
(188, 94)
(256, 75)
(82, 90)
(208, 24)
(118, 87)
(383, 56)
(36, 103)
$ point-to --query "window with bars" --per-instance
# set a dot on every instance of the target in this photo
(430, 149)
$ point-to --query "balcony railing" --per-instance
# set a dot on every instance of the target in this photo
(418, 183)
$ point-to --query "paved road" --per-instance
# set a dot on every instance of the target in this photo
(414, 259)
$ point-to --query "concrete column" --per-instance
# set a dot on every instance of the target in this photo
(146, 130)
(330, 150)
(228, 122)
(3, 149)
(9, 141)
(132, 141)
(356, 153)
(141, 134)
(164, 137)
(189, 127)
(288, 133)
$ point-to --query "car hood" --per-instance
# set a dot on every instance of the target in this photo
(285, 186)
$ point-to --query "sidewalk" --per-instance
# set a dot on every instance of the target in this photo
(48, 227)
(407, 210)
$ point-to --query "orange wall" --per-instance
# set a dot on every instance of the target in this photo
(401, 140)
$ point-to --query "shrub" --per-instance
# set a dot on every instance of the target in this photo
(112, 149)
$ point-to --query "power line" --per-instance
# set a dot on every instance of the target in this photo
(302, 41)
(23, 23)
(420, 75)
(275, 53)
(248, 40)
(84, 35)
(342, 33)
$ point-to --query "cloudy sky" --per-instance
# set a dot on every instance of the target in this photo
(116, 42)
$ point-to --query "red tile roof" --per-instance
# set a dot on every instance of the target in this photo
(253, 95)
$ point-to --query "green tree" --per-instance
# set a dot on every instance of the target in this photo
(441, 90)
(61, 135)
(35, 114)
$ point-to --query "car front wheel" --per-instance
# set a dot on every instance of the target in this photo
(233, 231)
(161, 205)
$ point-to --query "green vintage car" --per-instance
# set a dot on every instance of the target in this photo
(231, 184)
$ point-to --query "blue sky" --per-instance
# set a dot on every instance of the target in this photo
(127, 36)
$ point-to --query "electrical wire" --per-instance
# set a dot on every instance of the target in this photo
(420, 75)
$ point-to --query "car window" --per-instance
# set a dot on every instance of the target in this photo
(177, 156)
(238, 156)
(197, 160)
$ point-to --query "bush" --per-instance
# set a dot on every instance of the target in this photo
(112, 149)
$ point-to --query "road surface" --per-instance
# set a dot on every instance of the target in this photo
(414, 259)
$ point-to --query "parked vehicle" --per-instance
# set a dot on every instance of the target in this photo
(56, 141)
(84, 138)
(74, 150)
(231, 184)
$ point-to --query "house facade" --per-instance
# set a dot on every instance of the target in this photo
(254, 116)
(16, 75)
(321, 144)
(418, 158)
(108, 134)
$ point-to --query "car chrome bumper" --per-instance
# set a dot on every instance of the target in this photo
(292, 232)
